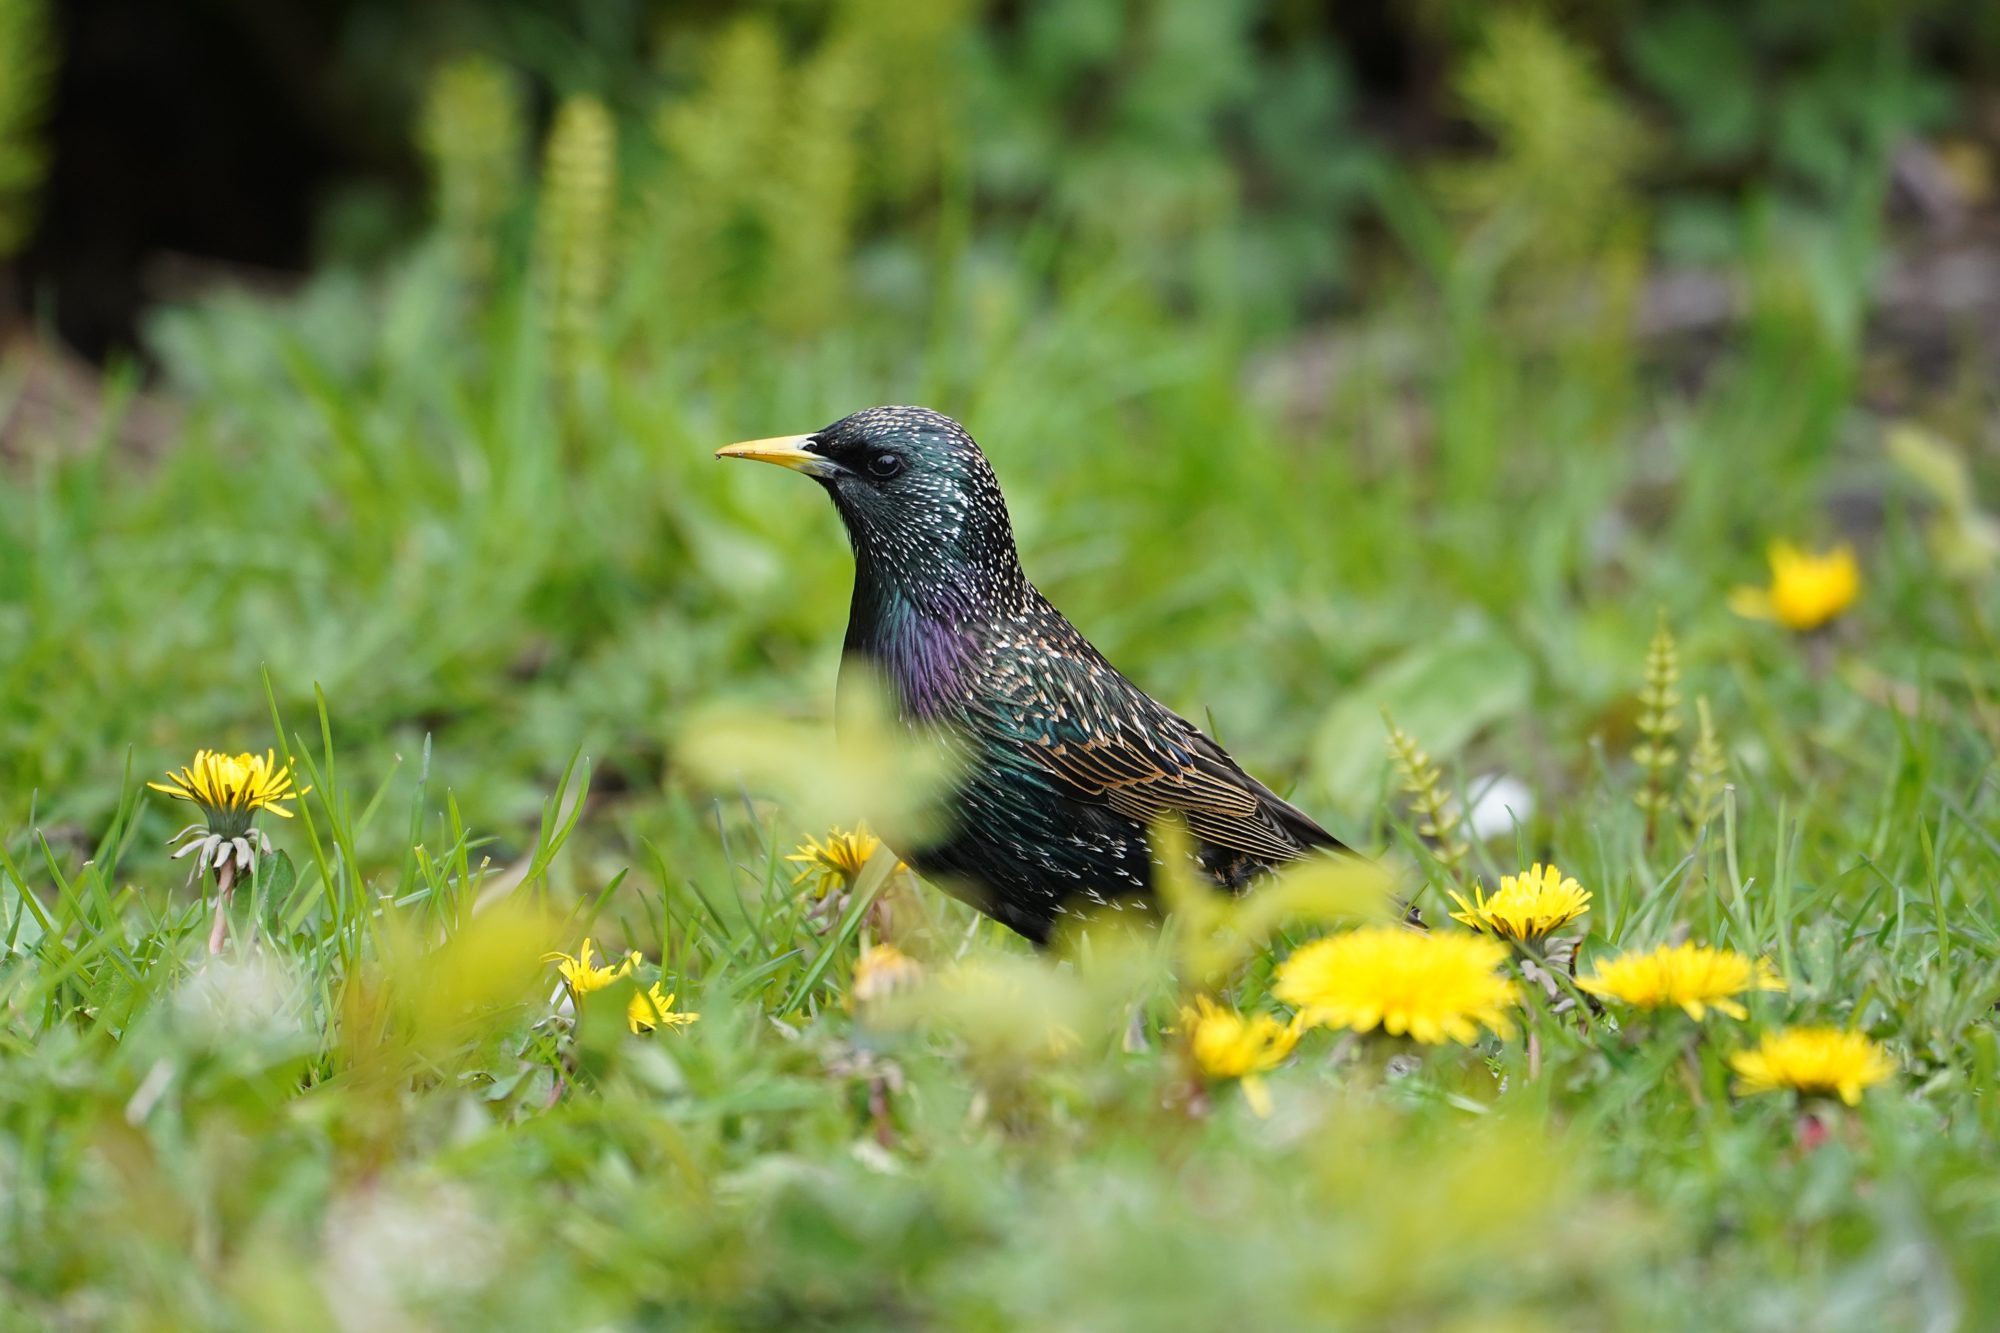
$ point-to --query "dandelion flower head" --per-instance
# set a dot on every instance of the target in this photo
(1225, 1044)
(649, 1007)
(584, 975)
(1695, 977)
(1807, 589)
(1823, 1060)
(1526, 906)
(229, 790)
(232, 787)
(833, 866)
(1434, 987)
(654, 1007)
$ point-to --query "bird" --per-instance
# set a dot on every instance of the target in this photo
(1064, 766)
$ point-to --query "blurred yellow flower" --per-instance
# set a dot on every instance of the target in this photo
(654, 1007)
(1527, 906)
(1225, 1044)
(1694, 976)
(232, 785)
(1813, 1059)
(881, 971)
(585, 976)
(1434, 986)
(833, 866)
(1807, 590)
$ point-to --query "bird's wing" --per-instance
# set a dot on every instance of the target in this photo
(1081, 722)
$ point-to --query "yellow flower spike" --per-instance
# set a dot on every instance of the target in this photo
(1435, 987)
(1823, 1060)
(1694, 977)
(1225, 1044)
(1807, 589)
(833, 866)
(1526, 906)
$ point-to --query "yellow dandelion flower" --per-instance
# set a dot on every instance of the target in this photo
(1436, 986)
(1694, 976)
(232, 784)
(881, 971)
(1813, 1059)
(654, 1007)
(229, 790)
(584, 975)
(1526, 906)
(649, 1007)
(1225, 1044)
(1807, 589)
(833, 866)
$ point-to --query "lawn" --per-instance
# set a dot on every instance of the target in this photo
(449, 542)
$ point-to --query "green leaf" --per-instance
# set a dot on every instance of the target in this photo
(1442, 694)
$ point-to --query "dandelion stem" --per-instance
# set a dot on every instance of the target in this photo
(225, 886)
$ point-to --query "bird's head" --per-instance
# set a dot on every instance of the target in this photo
(921, 505)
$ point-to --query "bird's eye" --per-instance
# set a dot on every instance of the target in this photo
(884, 465)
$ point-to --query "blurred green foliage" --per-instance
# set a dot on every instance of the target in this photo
(474, 137)
(458, 515)
(27, 73)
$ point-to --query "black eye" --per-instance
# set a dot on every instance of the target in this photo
(884, 465)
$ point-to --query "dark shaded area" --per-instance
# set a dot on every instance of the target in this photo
(202, 130)
(193, 139)
(211, 137)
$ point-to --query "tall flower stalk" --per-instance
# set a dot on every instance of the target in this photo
(1659, 719)
(1435, 811)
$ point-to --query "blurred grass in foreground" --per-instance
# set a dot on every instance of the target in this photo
(448, 536)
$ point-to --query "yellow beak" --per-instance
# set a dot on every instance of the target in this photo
(784, 450)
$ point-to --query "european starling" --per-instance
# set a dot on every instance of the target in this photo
(1064, 764)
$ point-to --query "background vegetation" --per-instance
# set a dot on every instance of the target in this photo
(1316, 391)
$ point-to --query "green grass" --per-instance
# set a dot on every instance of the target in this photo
(489, 600)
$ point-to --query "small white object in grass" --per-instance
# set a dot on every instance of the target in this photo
(393, 1254)
(1499, 802)
(228, 1001)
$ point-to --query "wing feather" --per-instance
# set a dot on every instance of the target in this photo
(1101, 738)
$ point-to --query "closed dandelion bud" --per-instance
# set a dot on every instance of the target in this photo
(881, 971)
(579, 179)
(473, 133)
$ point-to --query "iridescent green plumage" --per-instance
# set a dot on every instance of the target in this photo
(1065, 764)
